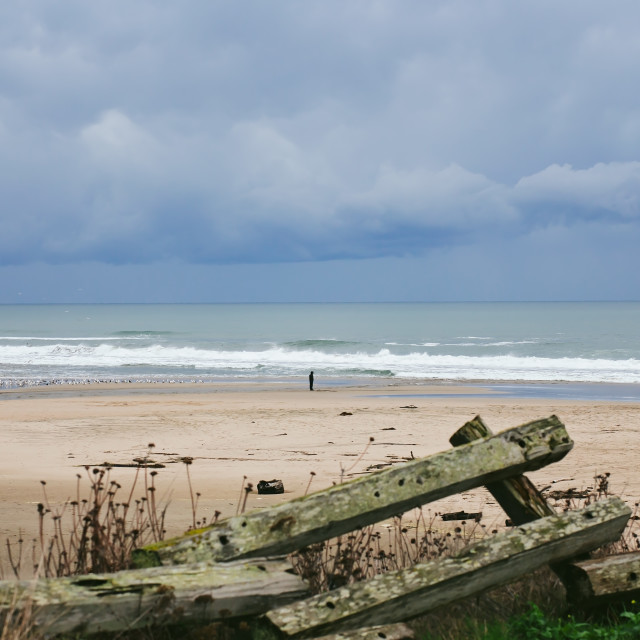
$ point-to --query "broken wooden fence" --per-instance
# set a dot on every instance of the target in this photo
(235, 568)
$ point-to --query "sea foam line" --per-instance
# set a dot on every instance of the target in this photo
(278, 361)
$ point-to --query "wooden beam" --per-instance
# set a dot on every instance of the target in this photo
(382, 632)
(517, 495)
(603, 580)
(168, 595)
(585, 582)
(401, 595)
(342, 508)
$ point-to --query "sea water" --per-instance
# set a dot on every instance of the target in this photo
(590, 342)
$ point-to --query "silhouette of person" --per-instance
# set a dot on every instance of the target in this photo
(311, 381)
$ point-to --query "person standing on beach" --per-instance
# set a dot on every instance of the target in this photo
(311, 381)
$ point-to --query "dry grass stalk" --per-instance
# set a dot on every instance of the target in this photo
(370, 551)
(365, 553)
(572, 499)
(95, 533)
(18, 622)
(98, 533)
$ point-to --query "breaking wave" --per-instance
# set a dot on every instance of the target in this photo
(37, 359)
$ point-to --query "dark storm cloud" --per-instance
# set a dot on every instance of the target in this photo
(221, 132)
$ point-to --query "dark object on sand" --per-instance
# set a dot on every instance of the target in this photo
(346, 413)
(569, 494)
(143, 465)
(462, 515)
(311, 381)
(270, 486)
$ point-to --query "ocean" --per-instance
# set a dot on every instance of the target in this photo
(499, 343)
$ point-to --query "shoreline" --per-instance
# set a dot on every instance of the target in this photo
(521, 389)
(286, 432)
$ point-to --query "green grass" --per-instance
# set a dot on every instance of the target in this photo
(534, 624)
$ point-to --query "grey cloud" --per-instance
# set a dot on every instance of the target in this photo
(263, 197)
(224, 132)
(448, 198)
(609, 191)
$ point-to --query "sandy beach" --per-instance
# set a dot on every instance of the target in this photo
(266, 432)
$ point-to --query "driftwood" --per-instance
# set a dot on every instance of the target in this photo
(601, 580)
(383, 632)
(401, 595)
(517, 495)
(587, 582)
(342, 508)
(462, 515)
(167, 595)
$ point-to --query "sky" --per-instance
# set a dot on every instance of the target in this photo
(319, 150)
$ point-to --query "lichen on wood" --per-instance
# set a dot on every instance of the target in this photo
(401, 595)
(164, 595)
(357, 503)
(387, 632)
(601, 580)
(517, 495)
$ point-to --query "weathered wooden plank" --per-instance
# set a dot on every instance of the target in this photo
(129, 599)
(522, 502)
(517, 495)
(342, 508)
(382, 632)
(401, 595)
(601, 580)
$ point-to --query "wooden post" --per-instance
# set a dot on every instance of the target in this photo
(587, 582)
(358, 503)
(517, 495)
(166, 595)
(401, 595)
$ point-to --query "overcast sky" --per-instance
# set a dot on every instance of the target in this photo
(254, 150)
